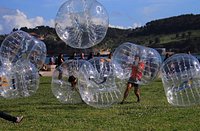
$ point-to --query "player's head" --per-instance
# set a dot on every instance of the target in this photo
(72, 79)
(137, 57)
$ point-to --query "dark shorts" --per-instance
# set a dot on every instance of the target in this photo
(133, 82)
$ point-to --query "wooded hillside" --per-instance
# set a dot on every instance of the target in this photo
(179, 34)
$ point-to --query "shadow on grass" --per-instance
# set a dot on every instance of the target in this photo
(13, 110)
(45, 83)
(133, 108)
(62, 106)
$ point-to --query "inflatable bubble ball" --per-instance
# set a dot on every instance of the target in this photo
(65, 81)
(97, 84)
(152, 64)
(81, 23)
(103, 66)
(21, 45)
(136, 63)
(181, 79)
(21, 81)
(5, 81)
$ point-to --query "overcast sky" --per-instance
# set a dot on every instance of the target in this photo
(122, 13)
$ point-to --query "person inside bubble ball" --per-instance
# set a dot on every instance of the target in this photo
(90, 56)
(136, 75)
(3, 84)
(60, 60)
(82, 56)
(73, 80)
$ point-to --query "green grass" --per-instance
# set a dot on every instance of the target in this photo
(167, 38)
(43, 111)
(172, 37)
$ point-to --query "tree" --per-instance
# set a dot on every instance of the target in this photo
(24, 29)
(183, 35)
(157, 40)
(177, 35)
(150, 42)
(14, 29)
(189, 33)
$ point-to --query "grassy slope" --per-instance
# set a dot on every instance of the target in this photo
(171, 37)
(43, 112)
(166, 38)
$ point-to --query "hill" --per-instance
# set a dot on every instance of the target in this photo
(178, 33)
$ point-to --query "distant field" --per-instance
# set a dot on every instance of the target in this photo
(172, 37)
(167, 38)
(43, 112)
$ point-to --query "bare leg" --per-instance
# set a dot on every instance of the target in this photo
(137, 92)
(128, 88)
(60, 76)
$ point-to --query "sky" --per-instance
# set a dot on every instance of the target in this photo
(122, 13)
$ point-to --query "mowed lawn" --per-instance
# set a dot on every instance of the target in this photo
(43, 111)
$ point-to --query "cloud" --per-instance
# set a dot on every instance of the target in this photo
(50, 23)
(118, 27)
(17, 19)
(135, 25)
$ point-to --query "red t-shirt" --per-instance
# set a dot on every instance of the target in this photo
(137, 70)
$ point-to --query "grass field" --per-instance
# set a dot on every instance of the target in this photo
(42, 111)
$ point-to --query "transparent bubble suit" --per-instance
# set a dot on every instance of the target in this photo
(97, 83)
(21, 45)
(62, 89)
(5, 75)
(181, 80)
(124, 61)
(81, 23)
(20, 80)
